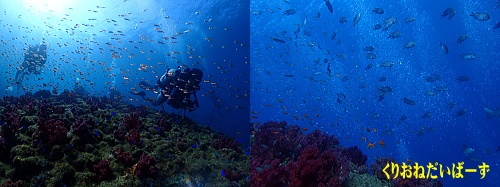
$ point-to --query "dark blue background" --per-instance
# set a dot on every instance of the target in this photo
(277, 96)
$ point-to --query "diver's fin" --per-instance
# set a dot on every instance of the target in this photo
(19, 72)
(196, 99)
(10, 88)
(489, 112)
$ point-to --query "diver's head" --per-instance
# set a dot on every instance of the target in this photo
(184, 72)
(197, 75)
(168, 77)
(183, 68)
(171, 73)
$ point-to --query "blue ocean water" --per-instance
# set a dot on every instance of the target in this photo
(114, 45)
(301, 74)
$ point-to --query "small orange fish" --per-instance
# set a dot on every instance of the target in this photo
(382, 143)
(371, 145)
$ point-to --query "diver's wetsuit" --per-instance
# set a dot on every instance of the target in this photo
(176, 86)
(34, 59)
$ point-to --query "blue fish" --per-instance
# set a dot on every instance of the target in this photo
(223, 174)
(329, 5)
(113, 113)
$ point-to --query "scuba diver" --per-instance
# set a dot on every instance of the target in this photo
(176, 86)
(34, 59)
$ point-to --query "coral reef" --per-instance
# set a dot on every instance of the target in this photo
(42, 93)
(74, 139)
(132, 121)
(283, 156)
(225, 142)
(103, 170)
(355, 155)
(124, 157)
(133, 137)
(146, 166)
(51, 132)
(313, 168)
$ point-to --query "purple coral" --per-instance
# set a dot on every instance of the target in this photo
(9, 183)
(318, 139)
(124, 157)
(29, 109)
(132, 121)
(82, 127)
(103, 170)
(314, 168)
(226, 142)
(10, 117)
(21, 100)
(278, 138)
(119, 134)
(165, 124)
(272, 175)
(145, 167)
(52, 131)
(355, 155)
(133, 137)
(283, 156)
